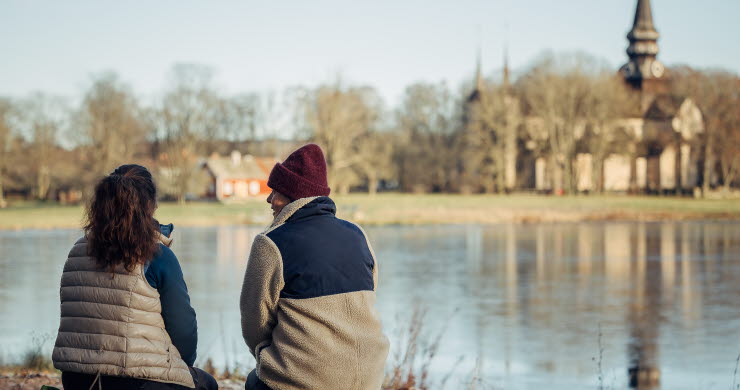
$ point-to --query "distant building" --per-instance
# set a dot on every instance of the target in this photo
(666, 151)
(235, 177)
(661, 149)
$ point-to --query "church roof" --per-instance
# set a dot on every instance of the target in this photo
(664, 107)
(474, 96)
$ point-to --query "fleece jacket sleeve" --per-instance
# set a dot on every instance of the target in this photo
(164, 274)
(263, 281)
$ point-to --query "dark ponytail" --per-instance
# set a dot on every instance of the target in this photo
(119, 224)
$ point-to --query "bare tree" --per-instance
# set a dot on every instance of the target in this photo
(110, 123)
(40, 121)
(729, 155)
(428, 120)
(377, 159)
(280, 116)
(608, 103)
(557, 90)
(187, 123)
(340, 119)
(5, 142)
(491, 135)
(717, 93)
(725, 121)
(241, 116)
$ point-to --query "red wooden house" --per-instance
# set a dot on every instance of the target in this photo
(237, 177)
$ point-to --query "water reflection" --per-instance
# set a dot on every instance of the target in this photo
(525, 303)
(540, 293)
(214, 260)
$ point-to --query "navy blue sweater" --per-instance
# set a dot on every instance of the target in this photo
(164, 274)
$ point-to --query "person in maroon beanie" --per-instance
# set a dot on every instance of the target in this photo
(308, 298)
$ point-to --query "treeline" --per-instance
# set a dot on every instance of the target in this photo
(438, 139)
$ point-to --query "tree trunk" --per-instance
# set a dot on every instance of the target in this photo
(372, 183)
(633, 174)
(440, 179)
(555, 181)
(597, 175)
(3, 203)
(332, 179)
(568, 174)
(708, 162)
(489, 184)
(43, 183)
(677, 168)
(728, 176)
(500, 172)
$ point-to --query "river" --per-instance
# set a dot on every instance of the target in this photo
(557, 306)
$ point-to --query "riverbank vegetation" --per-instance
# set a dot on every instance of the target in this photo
(408, 365)
(385, 209)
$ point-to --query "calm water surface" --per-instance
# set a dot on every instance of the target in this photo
(520, 306)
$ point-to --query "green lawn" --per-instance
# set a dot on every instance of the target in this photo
(411, 209)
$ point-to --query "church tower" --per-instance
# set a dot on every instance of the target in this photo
(644, 72)
(478, 87)
(506, 76)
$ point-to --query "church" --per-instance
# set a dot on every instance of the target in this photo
(662, 149)
(667, 133)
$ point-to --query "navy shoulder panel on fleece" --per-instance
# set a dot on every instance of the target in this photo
(322, 255)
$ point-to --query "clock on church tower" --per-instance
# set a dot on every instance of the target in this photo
(644, 71)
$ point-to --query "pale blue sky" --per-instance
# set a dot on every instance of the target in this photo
(54, 46)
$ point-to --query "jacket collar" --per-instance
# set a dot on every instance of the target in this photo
(167, 241)
(304, 207)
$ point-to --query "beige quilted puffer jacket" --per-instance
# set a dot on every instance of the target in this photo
(112, 324)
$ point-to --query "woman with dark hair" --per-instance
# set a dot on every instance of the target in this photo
(126, 319)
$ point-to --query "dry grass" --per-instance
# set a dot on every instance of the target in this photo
(36, 359)
(523, 208)
(390, 208)
(408, 369)
(19, 380)
(410, 366)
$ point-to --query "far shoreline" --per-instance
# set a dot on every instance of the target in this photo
(411, 210)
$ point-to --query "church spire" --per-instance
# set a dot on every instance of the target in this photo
(643, 66)
(643, 37)
(643, 18)
(478, 86)
(506, 80)
(478, 77)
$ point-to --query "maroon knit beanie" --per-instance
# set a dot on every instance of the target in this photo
(301, 175)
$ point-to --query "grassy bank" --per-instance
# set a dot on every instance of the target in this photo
(412, 209)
